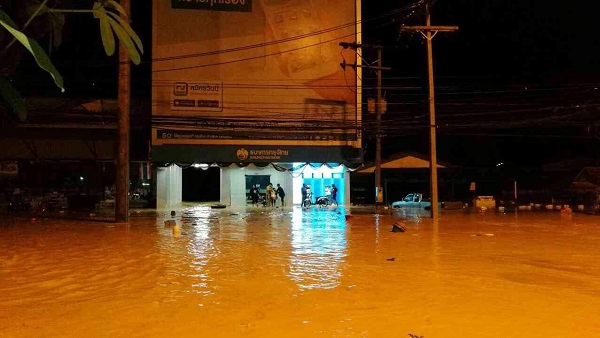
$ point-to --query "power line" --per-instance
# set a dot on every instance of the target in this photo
(414, 5)
(299, 37)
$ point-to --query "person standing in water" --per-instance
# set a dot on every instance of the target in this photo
(254, 195)
(280, 193)
(270, 195)
(334, 191)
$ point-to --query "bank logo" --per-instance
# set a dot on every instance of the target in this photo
(214, 5)
(180, 89)
(242, 154)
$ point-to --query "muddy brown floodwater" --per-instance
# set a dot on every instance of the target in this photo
(297, 273)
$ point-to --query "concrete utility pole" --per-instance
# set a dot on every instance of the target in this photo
(124, 100)
(378, 188)
(426, 31)
(379, 68)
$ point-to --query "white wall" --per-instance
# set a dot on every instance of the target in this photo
(168, 187)
(347, 190)
(226, 186)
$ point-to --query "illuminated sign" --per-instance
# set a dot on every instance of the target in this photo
(214, 5)
(197, 96)
(267, 77)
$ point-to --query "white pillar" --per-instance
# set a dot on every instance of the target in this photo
(168, 187)
(347, 187)
(225, 196)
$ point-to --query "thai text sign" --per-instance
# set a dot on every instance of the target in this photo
(214, 5)
(197, 96)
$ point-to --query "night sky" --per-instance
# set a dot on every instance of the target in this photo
(518, 83)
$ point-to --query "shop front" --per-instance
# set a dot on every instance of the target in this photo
(238, 175)
(256, 90)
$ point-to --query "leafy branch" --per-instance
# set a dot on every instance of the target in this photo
(109, 14)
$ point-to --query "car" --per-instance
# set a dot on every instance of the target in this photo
(416, 201)
(413, 200)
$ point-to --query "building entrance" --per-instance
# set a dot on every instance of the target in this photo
(319, 179)
(260, 182)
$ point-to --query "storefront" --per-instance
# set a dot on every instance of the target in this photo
(237, 181)
(257, 90)
(237, 177)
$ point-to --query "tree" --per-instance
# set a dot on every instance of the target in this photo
(37, 19)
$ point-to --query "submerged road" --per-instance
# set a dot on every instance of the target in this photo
(302, 273)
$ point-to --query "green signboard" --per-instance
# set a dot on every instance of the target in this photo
(254, 154)
(214, 5)
(241, 132)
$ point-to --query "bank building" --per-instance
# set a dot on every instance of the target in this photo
(256, 90)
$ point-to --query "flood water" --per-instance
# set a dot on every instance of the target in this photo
(295, 273)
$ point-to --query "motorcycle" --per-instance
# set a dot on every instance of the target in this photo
(323, 201)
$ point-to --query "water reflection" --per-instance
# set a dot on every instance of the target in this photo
(318, 247)
(201, 247)
(189, 251)
(248, 274)
(412, 213)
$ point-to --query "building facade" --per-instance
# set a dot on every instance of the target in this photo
(256, 88)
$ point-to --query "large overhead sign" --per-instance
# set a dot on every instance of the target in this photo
(214, 5)
(255, 73)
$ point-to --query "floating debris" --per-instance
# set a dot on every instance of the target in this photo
(391, 259)
(398, 227)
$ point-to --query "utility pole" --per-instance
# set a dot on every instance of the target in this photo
(378, 188)
(378, 108)
(124, 101)
(426, 31)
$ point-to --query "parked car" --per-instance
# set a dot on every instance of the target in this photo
(416, 200)
(413, 200)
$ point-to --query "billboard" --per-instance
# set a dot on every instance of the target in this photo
(255, 73)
